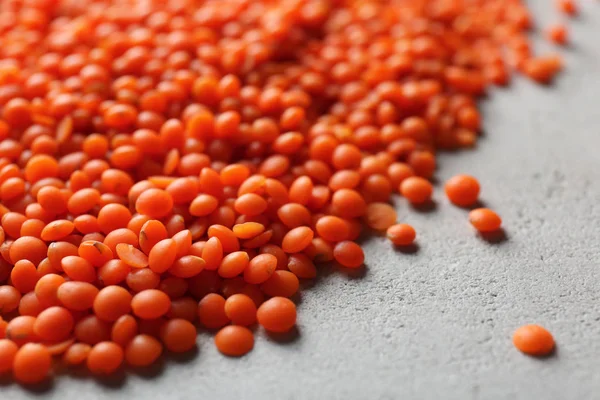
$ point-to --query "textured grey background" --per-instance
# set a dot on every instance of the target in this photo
(437, 324)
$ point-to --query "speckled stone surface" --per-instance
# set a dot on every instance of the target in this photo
(437, 323)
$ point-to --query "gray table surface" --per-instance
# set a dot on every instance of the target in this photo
(437, 324)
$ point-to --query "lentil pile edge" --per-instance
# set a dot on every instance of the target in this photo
(172, 164)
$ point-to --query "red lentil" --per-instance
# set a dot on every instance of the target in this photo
(211, 311)
(150, 304)
(234, 341)
(543, 68)
(8, 351)
(54, 324)
(112, 302)
(348, 254)
(77, 296)
(92, 330)
(260, 268)
(281, 283)
(187, 267)
(184, 308)
(178, 335)
(533, 340)
(320, 251)
(567, 6)
(248, 230)
(302, 266)
(557, 33)
(76, 354)
(142, 350)
(462, 190)
(233, 264)
(162, 255)
(21, 330)
(131, 256)
(297, 239)
(380, 216)
(485, 220)
(96, 253)
(31, 363)
(104, 358)
(78, 269)
(401, 234)
(10, 298)
(142, 279)
(183, 242)
(24, 276)
(240, 309)
(151, 232)
(332, 228)
(277, 314)
(124, 329)
(417, 190)
(212, 253)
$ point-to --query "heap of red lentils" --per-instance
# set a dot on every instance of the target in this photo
(174, 165)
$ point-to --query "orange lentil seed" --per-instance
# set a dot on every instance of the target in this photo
(54, 324)
(97, 253)
(278, 314)
(233, 264)
(211, 311)
(46, 289)
(124, 329)
(485, 220)
(417, 190)
(557, 34)
(567, 6)
(104, 358)
(533, 340)
(234, 341)
(178, 335)
(162, 255)
(8, 351)
(240, 309)
(10, 298)
(76, 354)
(297, 239)
(348, 254)
(31, 363)
(401, 234)
(78, 296)
(112, 302)
(142, 350)
(462, 190)
(380, 216)
(260, 268)
(150, 304)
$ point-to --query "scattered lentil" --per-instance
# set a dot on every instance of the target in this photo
(462, 190)
(558, 34)
(401, 234)
(485, 220)
(533, 340)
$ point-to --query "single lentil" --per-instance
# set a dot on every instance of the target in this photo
(533, 340)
